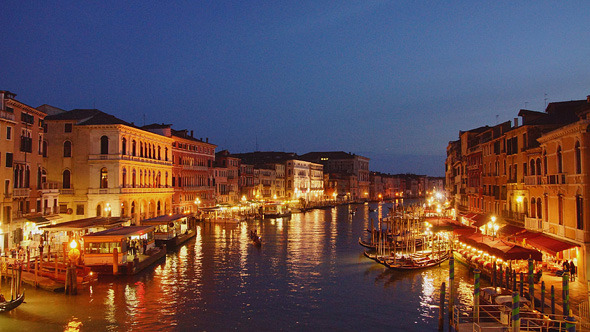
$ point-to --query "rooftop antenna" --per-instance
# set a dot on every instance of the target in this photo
(256, 137)
(525, 104)
(497, 117)
(545, 100)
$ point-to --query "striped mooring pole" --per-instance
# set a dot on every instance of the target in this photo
(552, 299)
(542, 297)
(566, 293)
(532, 283)
(513, 281)
(494, 274)
(451, 287)
(570, 323)
(476, 295)
(515, 312)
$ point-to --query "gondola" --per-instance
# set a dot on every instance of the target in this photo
(9, 305)
(257, 241)
(415, 263)
(400, 245)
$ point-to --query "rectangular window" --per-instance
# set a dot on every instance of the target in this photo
(8, 159)
(8, 133)
(580, 212)
(63, 208)
(27, 118)
(80, 209)
(68, 128)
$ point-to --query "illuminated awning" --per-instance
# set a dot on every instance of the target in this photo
(163, 219)
(479, 220)
(86, 223)
(549, 244)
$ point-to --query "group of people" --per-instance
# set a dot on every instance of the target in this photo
(136, 246)
(571, 268)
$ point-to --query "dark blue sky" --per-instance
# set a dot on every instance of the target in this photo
(393, 81)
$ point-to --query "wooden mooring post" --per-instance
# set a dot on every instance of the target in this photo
(441, 308)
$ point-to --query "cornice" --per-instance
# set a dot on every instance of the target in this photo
(27, 108)
(573, 128)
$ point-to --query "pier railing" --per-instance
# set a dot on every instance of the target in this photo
(497, 317)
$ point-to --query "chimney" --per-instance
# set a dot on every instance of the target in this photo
(206, 139)
(191, 133)
(515, 122)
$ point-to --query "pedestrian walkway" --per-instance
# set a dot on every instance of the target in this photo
(578, 293)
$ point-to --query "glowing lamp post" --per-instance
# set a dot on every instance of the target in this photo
(71, 279)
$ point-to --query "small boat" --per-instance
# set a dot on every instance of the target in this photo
(416, 262)
(257, 241)
(389, 244)
(9, 305)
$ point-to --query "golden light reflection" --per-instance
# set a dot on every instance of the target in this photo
(73, 326)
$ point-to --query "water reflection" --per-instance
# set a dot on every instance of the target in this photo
(310, 273)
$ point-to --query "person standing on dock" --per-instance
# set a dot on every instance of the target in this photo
(573, 271)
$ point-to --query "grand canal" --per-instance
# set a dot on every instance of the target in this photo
(310, 273)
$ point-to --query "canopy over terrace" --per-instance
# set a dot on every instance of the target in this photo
(163, 219)
(87, 223)
(500, 248)
(545, 243)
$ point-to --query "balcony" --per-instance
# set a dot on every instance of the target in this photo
(66, 191)
(50, 188)
(21, 192)
(144, 190)
(532, 180)
(533, 224)
(7, 115)
(552, 179)
(117, 157)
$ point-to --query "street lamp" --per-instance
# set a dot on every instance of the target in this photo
(107, 210)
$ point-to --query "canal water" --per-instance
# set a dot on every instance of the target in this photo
(310, 273)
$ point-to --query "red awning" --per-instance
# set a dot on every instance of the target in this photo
(479, 220)
(509, 231)
(549, 244)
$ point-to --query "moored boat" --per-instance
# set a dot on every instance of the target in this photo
(9, 305)
(416, 262)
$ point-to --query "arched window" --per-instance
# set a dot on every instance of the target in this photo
(159, 152)
(539, 208)
(123, 146)
(66, 179)
(134, 148)
(525, 205)
(133, 179)
(538, 166)
(166, 154)
(44, 148)
(559, 160)
(104, 178)
(533, 208)
(124, 178)
(132, 208)
(98, 210)
(141, 149)
(532, 166)
(104, 145)
(578, 158)
(67, 149)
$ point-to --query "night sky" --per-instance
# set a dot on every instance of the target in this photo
(392, 81)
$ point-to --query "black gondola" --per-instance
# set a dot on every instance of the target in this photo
(9, 305)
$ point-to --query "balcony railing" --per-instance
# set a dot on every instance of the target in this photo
(7, 115)
(554, 179)
(21, 192)
(532, 180)
(533, 224)
(66, 191)
(93, 157)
